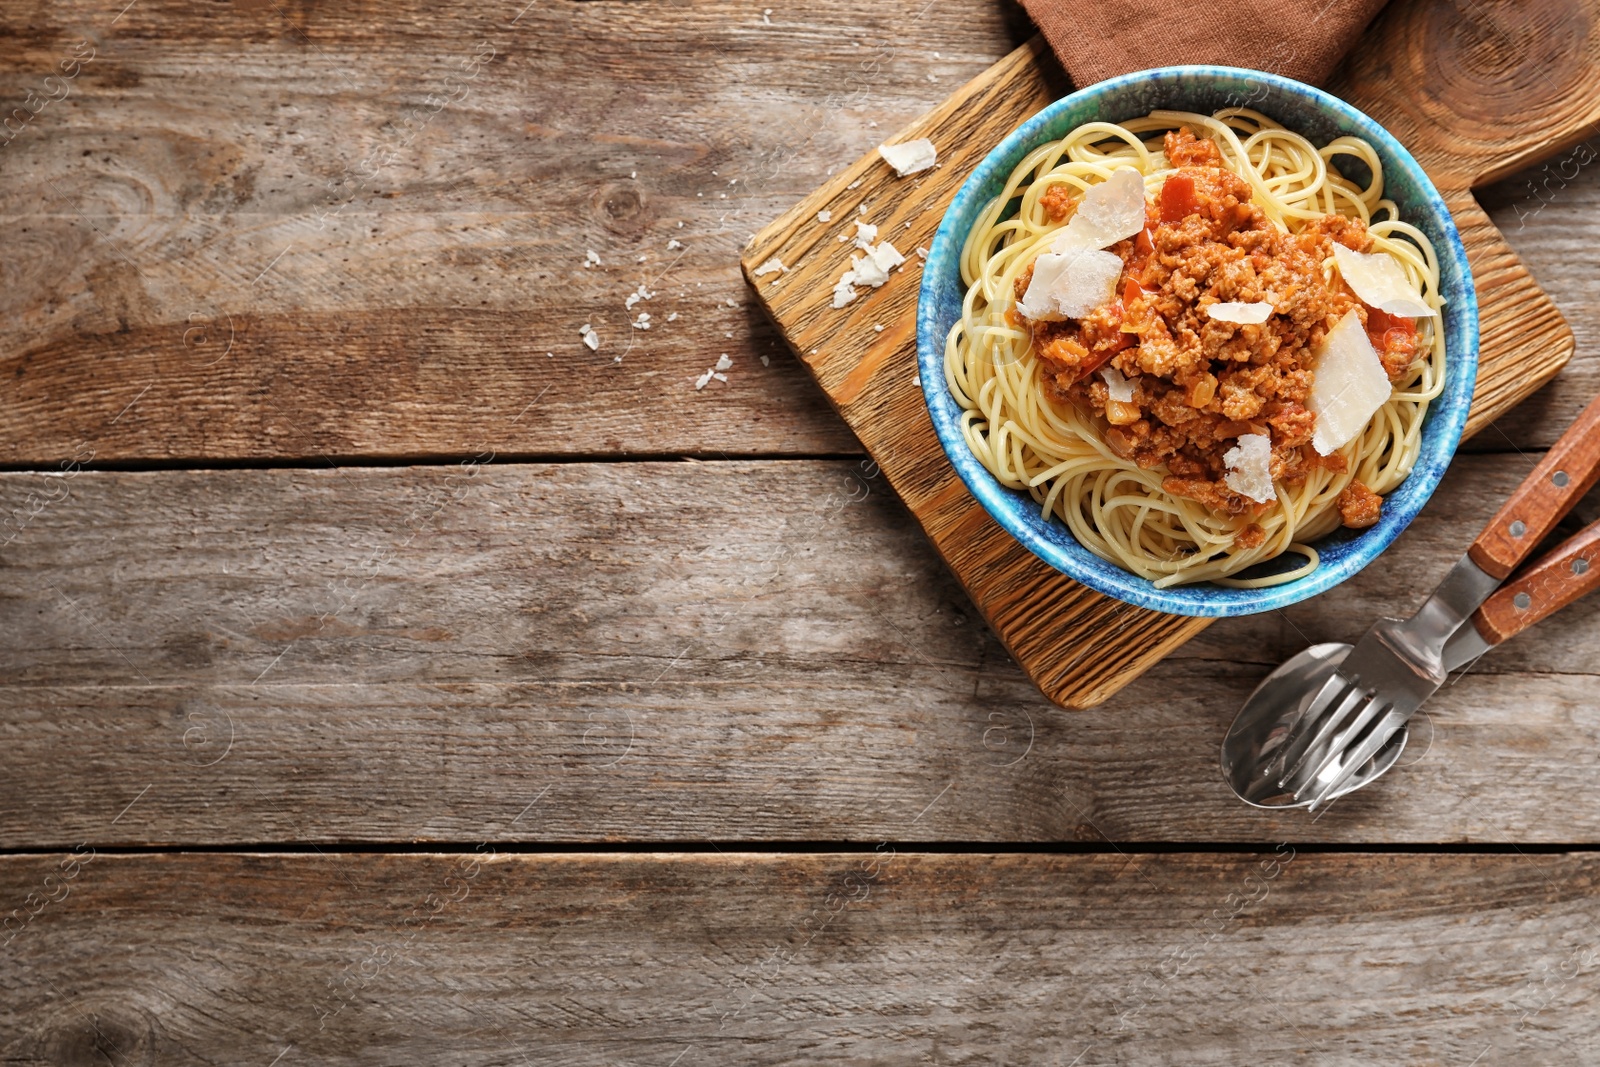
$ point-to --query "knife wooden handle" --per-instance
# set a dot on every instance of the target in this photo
(1567, 471)
(1571, 570)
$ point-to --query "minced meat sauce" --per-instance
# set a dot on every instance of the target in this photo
(1199, 384)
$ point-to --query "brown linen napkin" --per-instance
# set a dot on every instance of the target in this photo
(1302, 39)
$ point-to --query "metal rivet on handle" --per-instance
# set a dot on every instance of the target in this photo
(1518, 528)
(1560, 478)
(1580, 566)
(1522, 601)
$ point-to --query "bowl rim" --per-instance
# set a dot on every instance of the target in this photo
(1446, 419)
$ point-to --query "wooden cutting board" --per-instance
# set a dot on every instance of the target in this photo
(1475, 91)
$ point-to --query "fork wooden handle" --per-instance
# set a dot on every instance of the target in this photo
(1567, 471)
(1571, 570)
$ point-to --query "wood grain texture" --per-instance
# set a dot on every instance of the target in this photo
(251, 219)
(651, 652)
(206, 161)
(1553, 581)
(864, 356)
(885, 957)
(1547, 214)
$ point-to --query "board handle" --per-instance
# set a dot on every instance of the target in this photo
(1567, 471)
(1569, 572)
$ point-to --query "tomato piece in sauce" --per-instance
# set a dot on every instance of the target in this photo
(1400, 340)
(1095, 361)
(1177, 198)
(1391, 333)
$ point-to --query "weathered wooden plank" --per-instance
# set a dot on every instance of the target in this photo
(413, 305)
(296, 231)
(654, 652)
(882, 957)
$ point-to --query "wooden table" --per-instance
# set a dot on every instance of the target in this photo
(389, 678)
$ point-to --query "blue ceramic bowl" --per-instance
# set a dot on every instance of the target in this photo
(1301, 108)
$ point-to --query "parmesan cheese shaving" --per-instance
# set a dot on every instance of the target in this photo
(1069, 285)
(866, 233)
(824, 216)
(910, 157)
(590, 338)
(1036, 303)
(1246, 314)
(1250, 468)
(1110, 212)
(771, 266)
(1379, 281)
(1350, 385)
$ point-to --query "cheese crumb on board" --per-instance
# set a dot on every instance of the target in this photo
(674, 244)
(771, 266)
(824, 216)
(909, 157)
(1252, 314)
(642, 322)
(1350, 385)
(637, 295)
(871, 269)
(1250, 468)
(591, 258)
(714, 373)
(866, 233)
(845, 291)
(590, 338)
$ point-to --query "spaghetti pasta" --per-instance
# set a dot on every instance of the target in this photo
(1038, 432)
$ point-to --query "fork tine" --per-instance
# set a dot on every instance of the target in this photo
(1313, 740)
(1305, 730)
(1342, 742)
(1369, 747)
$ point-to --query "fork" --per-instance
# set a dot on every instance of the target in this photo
(1398, 664)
